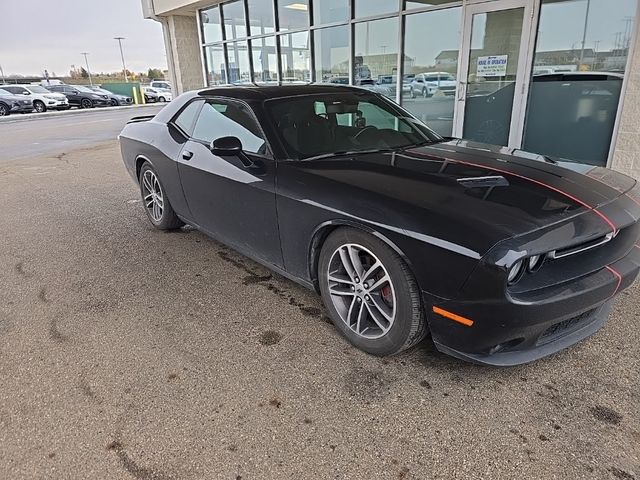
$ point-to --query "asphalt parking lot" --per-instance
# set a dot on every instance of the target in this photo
(130, 353)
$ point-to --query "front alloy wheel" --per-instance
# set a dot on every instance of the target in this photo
(370, 293)
(86, 103)
(361, 291)
(4, 111)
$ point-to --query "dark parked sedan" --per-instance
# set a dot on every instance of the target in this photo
(115, 99)
(503, 258)
(81, 96)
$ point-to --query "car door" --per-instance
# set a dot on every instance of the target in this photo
(232, 196)
(73, 95)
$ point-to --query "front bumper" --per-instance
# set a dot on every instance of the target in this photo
(55, 104)
(22, 108)
(520, 329)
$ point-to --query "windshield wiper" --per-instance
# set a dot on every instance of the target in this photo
(344, 153)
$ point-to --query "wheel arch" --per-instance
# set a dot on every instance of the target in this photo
(141, 160)
(323, 230)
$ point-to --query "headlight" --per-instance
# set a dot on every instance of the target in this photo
(515, 272)
(534, 262)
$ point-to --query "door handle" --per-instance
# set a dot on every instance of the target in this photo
(187, 155)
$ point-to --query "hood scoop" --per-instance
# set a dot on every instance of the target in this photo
(484, 182)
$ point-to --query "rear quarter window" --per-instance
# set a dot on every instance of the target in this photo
(187, 117)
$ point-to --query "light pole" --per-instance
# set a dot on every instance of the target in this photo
(119, 39)
(2, 73)
(86, 61)
(584, 33)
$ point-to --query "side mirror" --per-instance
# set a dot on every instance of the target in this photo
(226, 146)
(75, 92)
(26, 93)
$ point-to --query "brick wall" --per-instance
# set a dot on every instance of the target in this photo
(185, 51)
(626, 157)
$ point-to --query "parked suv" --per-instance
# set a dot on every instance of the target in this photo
(42, 98)
(162, 84)
(10, 103)
(428, 84)
(81, 96)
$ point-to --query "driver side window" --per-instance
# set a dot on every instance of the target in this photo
(221, 118)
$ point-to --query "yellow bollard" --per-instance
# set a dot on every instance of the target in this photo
(142, 100)
(135, 95)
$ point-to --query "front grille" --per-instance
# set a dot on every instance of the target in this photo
(566, 326)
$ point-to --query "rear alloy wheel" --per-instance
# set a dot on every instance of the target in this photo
(4, 110)
(370, 293)
(156, 205)
(114, 102)
(86, 103)
(162, 99)
(39, 106)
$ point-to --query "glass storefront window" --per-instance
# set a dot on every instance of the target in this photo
(432, 43)
(211, 28)
(294, 51)
(238, 57)
(234, 23)
(214, 57)
(490, 95)
(260, 14)
(376, 55)
(293, 14)
(331, 47)
(411, 4)
(579, 64)
(329, 11)
(368, 8)
(265, 60)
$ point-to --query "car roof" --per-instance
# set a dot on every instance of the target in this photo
(263, 92)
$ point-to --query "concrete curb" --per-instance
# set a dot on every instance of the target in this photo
(24, 117)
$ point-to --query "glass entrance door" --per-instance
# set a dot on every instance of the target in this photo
(494, 68)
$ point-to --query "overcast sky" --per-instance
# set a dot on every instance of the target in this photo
(39, 34)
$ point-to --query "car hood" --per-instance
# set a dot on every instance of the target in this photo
(467, 192)
(14, 98)
(443, 83)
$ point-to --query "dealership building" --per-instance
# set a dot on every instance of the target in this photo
(554, 77)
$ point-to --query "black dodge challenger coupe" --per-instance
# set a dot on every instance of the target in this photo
(501, 255)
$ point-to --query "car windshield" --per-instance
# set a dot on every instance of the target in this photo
(37, 89)
(322, 125)
(80, 88)
(102, 90)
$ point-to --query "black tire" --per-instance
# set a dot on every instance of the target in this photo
(114, 102)
(4, 110)
(86, 103)
(162, 99)
(168, 220)
(413, 93)
(39, 106)
(409, 326)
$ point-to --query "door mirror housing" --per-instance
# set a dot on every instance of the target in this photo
(226, 146)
